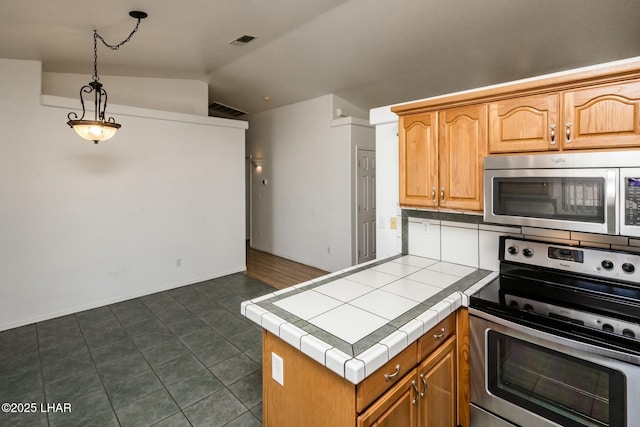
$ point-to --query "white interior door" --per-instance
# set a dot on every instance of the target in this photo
(366, 199)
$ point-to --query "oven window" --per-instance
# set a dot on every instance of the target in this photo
(557, 198)
(559, 387)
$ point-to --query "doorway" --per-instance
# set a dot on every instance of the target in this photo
(365, 205)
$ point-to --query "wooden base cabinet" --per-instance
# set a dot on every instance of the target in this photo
(426, 397)
(437, 374)
(397, 407)
(420, 388)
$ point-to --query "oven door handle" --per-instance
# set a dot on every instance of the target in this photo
(551, 340)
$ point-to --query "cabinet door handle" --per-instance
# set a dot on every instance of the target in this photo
(433, 194)
(424, 385)
(553, 134)
(568, 133)
(416, 393)
(439, 334)
(442, 194)
(389, 377)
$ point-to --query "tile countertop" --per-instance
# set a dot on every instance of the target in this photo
(354, 320)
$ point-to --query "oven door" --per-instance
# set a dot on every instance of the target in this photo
(567, 199)
(532, 378)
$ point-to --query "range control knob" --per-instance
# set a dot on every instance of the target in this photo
(627, 267)
(513, 250)
(606, 264)
(628, 333)
(607, 327)
(528, 252)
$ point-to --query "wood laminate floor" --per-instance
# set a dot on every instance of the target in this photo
(278, 272)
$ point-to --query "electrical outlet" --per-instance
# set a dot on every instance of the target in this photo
(393, 223)
(178, 262)
(277, 368)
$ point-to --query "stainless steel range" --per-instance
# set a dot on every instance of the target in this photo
(555, 339)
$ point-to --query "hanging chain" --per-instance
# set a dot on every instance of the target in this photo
(95, 56)
(117, 46)
(97, 36)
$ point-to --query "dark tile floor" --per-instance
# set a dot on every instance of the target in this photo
(184, 357)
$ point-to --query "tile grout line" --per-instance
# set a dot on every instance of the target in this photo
(64, 369)
(208, 369)
(164, 386)
(44, 390)
(95, 366)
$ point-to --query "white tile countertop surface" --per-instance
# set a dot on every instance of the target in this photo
(354, 320)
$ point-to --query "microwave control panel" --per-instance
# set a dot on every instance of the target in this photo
(632, 200)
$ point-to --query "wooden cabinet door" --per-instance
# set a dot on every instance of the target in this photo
(463, 146)
(437, 375)
(418, 160)
(397, 407)
(524, 124)
(606, 116)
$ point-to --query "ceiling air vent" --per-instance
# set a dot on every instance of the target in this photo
(220, 110)
(242, 40)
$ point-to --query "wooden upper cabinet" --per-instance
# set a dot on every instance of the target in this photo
(596, 117)
(443, 140)
(606, 116)
(418, 159)
(463, 145)
(524, 124)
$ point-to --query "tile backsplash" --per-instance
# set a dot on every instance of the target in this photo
(465, 239)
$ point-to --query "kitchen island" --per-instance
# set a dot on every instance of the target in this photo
(336, 349)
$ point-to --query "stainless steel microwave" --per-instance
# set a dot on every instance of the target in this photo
(590, 192)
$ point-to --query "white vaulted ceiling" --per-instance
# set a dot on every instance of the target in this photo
(370, 52)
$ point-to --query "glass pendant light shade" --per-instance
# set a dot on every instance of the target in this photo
(100, 128)
(93, 130)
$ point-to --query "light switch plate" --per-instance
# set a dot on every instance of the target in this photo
(277, 368)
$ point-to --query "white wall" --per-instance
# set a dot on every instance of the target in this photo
(304, 211)
(83, 225)
(177, 95)
(343, 108)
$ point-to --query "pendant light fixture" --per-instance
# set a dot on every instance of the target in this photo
(100, 128)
